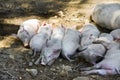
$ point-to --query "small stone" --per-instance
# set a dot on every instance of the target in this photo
(20, 78)
(60, 60)
(61, 14)
(81, 78)
(67, 68)
(33, 72)
(63, 73)
(33, 60)
(30, 64)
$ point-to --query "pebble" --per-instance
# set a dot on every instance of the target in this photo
(33, 72)
(67, 68)
(30, 64)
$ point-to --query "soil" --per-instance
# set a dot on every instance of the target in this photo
(15, 59)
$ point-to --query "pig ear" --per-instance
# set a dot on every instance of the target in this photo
(56, 51)
(44, 23)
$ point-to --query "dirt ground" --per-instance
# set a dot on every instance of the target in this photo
(15, 59)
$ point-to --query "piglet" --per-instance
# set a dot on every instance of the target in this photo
(93, 53)
(116, 34)
(71, 43)
(104, 39)
(88, 33)
(39, 40)
(27, 30)
(110, 65)
(107, 41)
(53, 47)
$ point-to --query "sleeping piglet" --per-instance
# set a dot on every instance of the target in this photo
(27, 30)
(107, 41)
(53, 47)
(110, 65)
(39, 40)
(89, 33)
(93, 53)
(71, 43)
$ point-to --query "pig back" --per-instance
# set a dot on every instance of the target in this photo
(107, 15)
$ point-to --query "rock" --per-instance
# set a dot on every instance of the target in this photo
(30, 64)
(61, 14)
(33, 72)
(67, 68)
(63, 73)
(81, 78)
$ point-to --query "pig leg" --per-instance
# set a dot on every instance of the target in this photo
(34, 53)
(37, 61)
(97, 66)
(102, 72)
(69, 58)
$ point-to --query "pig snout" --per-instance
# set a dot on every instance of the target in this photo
(49, 55)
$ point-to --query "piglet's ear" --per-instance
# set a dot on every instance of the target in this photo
(44, 23)
(56, 51)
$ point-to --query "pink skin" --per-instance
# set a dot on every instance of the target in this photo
(27, 30)
(101, 69)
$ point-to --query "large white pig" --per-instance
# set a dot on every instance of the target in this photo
(27, 30)
(39, 40)
(107, 15)
(71, 43)
(53, 47)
